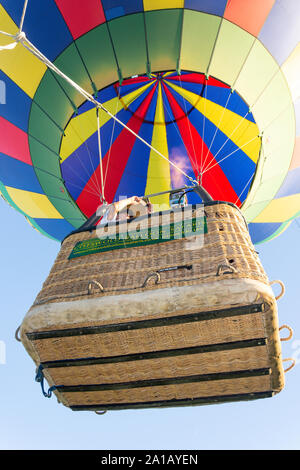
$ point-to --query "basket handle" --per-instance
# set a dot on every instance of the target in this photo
(292, 365)
(290, 332)
(98, 284)
(17, 337)
(282, 288)
(227, 269)
(150, 275)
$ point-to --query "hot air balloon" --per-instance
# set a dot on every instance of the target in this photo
(156, 140)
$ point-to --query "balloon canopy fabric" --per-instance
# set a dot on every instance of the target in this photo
(191, 119)
(212, 84)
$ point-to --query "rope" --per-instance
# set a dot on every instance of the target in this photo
(150, 275)
(96, 283)
(228, 138)
(190, 131)
(110, 144)
(17, 337)
(203, 126)
(179, 134)
(241, 193)
(293, 361)
(282, 288)
(287, 338)
(100, 155)
(20, 35)
(91, 191)
(85, 143)
(231, 153)
(23, 15)
(40, 379)
(95, 188)
(217, 129)
(8, 34)
(17, 37)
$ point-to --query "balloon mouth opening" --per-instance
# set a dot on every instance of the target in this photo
(167, 82)
(199, 122)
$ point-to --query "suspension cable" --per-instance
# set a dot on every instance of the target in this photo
(217, 129)
(244, 188)
(23, 14)
(203, 127)
(231, 153)
(190, 132)
(100, 155)
(228, 138)
(95, 183)
(110, 144)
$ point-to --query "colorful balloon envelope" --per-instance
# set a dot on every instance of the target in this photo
(211, 84)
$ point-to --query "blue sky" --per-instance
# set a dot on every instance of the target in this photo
(30, 421)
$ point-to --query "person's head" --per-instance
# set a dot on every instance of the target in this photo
(138, 208)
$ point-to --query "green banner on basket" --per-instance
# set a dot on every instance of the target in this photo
(142, 237)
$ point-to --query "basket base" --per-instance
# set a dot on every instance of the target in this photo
(191, 345)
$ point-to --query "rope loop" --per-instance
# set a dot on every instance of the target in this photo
(96, 283)
(292, 365)
(290, 332)
(40, 379)
(20, 36)
(150, 275)
(17, 337)
(282, 288)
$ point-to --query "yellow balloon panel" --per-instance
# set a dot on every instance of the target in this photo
(243, 133)
(162, 4)
(288, 205)
(158, 177)
(25, 69)
(81, 127)
(35, 205)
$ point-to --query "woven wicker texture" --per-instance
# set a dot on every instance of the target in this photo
(168, 393)
(152, 339)
(226, 243)
(154, 353)
(159, 368)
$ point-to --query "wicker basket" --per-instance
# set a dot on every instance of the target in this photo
(184, 320)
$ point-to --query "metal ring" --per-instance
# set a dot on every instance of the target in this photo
(282, 288)
(17, 337)
(101, 412)
(292, 365)
(98, 284)
(150, 275)
(290, 330)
